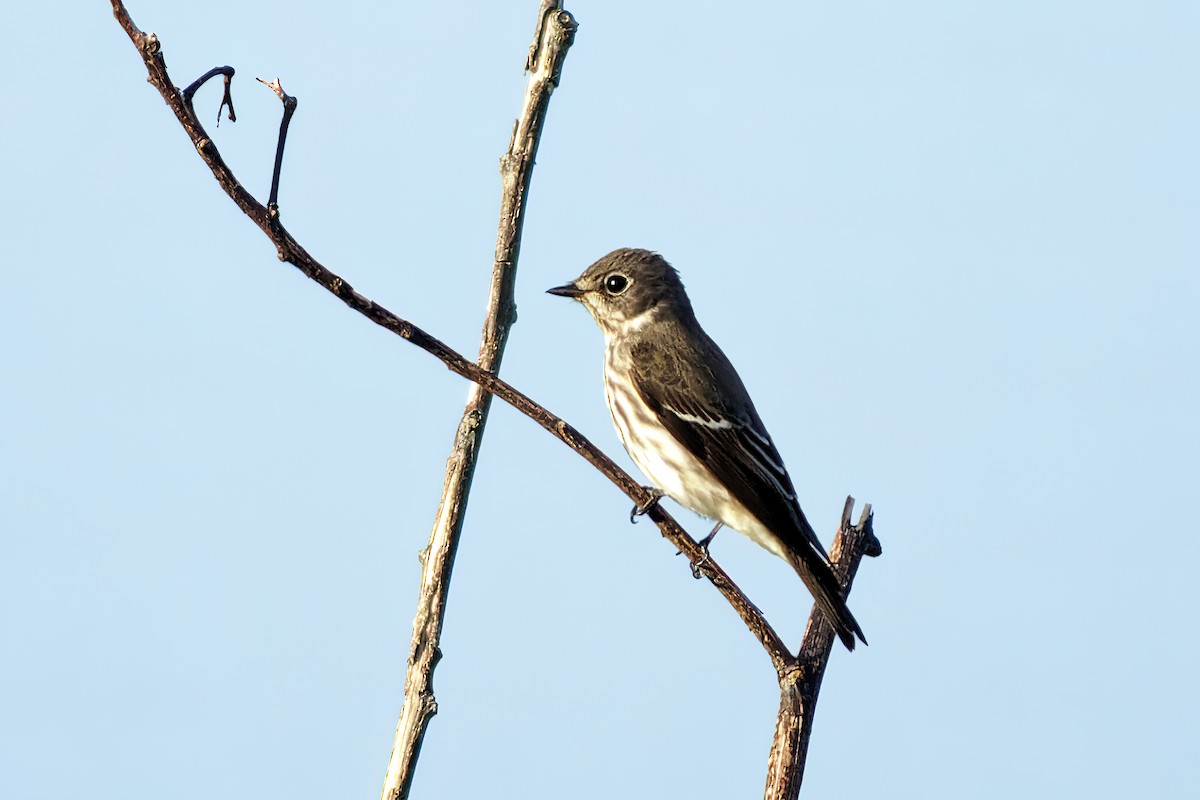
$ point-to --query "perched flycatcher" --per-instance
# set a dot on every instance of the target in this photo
(687, 421)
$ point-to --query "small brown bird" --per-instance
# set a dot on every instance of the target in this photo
(687, 420)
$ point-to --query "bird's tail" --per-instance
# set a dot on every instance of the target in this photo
(814, 569)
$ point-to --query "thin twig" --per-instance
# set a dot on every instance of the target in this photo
(226, 99)
(289, 108)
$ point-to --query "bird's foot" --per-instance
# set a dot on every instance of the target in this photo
(641, 510)
(704, 543)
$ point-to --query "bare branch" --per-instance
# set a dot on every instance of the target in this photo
(800, 685)
(289, 108)
(226, 99)
(553, 36)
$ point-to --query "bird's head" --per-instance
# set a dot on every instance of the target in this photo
(626, 287)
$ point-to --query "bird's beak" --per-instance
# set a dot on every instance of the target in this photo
(566, 290)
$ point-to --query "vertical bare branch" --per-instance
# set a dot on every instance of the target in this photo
(553, 36)
(800, 683)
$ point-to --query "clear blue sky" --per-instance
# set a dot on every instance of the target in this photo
(952, 248)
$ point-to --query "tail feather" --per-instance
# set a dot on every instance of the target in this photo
(818, 576)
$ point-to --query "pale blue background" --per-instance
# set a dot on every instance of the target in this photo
(950, 245)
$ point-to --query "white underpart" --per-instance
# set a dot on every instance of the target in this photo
(670, 466)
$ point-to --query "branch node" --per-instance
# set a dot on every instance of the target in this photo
(536, 47)
(569, 26)
(791, 674)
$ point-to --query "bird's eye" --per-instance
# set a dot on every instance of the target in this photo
(615, 284)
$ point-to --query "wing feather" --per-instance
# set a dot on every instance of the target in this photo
(701, 401)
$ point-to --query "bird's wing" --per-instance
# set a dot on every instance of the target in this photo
(699, 398)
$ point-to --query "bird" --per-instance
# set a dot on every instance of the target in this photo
(687, 421)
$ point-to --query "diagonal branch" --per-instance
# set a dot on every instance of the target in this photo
(292, 252)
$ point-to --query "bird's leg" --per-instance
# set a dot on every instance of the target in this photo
(639, 510)
(707, 540)
(704, 543)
